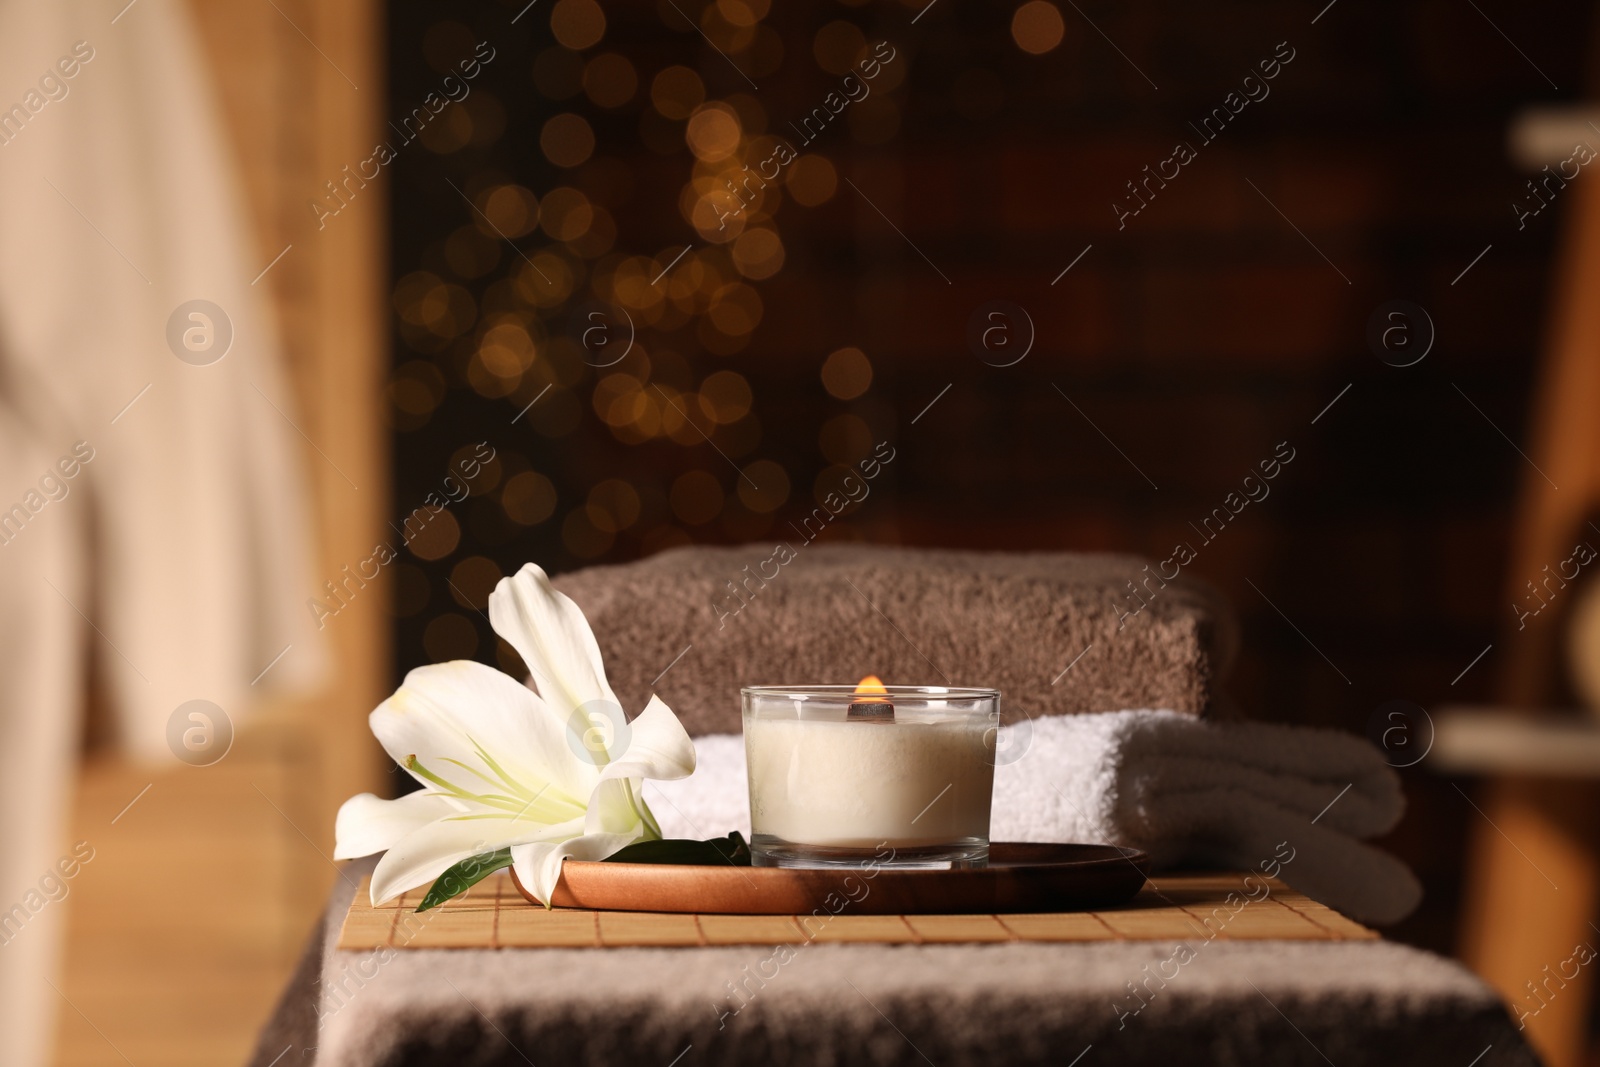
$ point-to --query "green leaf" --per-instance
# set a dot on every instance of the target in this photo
(720, 850)
(463, 876)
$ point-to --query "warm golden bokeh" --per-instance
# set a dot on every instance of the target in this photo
(763, 486)
(838, 45)
(758, 253)
(1036, 26)
(725, 396)
(713, 132)
(472, 580)
(432, 535)
(566, 214)
(812, 180)
(566, 140)
(696, 497)
(489, 311)
(743, 13)
(844, 439)
(528, 498)
(676, 92)
(613, 505)
(578, 24)
(847, 373)
(510, 210)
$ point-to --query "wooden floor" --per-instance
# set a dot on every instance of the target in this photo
(158, 971)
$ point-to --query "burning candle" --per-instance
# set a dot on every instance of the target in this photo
(837, 773)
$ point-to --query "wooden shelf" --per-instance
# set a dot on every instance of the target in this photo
(1486, 740)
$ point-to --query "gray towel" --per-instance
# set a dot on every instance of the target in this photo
(1055, 632)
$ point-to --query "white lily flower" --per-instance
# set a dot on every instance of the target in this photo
(549, 775)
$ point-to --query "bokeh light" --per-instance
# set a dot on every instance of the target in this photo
(472, 580)
(566, 214)
(812, 180)
(676, 92)
(578, 24)
(1037, 27)
(763, 486)
(582, 537)
(758, 253)
(566, 140)
(838, 46)
(725, 396)
(847, 373)
(479, 475)
(432, 307)
(528, 498)
(844, 439)
(743, 13)
(417, 388)
(510, 210)
(432, 535)
(696, 497)
(613, 505)
(713, 132)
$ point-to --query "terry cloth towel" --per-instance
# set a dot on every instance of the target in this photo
(1025, 1005)
(1057, 632)
(1190, 793)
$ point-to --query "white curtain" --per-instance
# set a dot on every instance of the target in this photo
(152, 514)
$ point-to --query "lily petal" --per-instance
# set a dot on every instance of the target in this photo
(460, 711)
(658, 747)
(367, 823)
(426, 853)
(614, 808)
(538, 866)
(551, 634)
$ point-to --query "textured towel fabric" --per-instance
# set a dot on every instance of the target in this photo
(1231, 1003)
(1186, 791)
(1056, 633)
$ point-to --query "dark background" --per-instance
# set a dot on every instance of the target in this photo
(1190, 343)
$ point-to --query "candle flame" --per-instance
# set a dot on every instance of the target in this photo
(871, 690)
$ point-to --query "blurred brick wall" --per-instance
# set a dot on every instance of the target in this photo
(1196, 338)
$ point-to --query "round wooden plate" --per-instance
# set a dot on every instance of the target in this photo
(1019, 877)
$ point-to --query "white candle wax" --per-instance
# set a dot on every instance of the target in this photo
(859, 784)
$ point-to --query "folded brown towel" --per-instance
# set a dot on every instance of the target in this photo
(1055, 632)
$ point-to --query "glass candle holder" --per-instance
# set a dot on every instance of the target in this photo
(902, 777)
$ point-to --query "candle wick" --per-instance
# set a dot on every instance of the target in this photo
(879, 710)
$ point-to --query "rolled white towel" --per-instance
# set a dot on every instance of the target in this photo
(1182, 789)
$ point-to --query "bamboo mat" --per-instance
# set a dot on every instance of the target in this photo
(1168, 908)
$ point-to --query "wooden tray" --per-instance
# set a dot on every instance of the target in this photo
(1019, 878)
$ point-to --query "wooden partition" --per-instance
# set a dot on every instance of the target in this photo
(159, 970)
(1533, 874)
